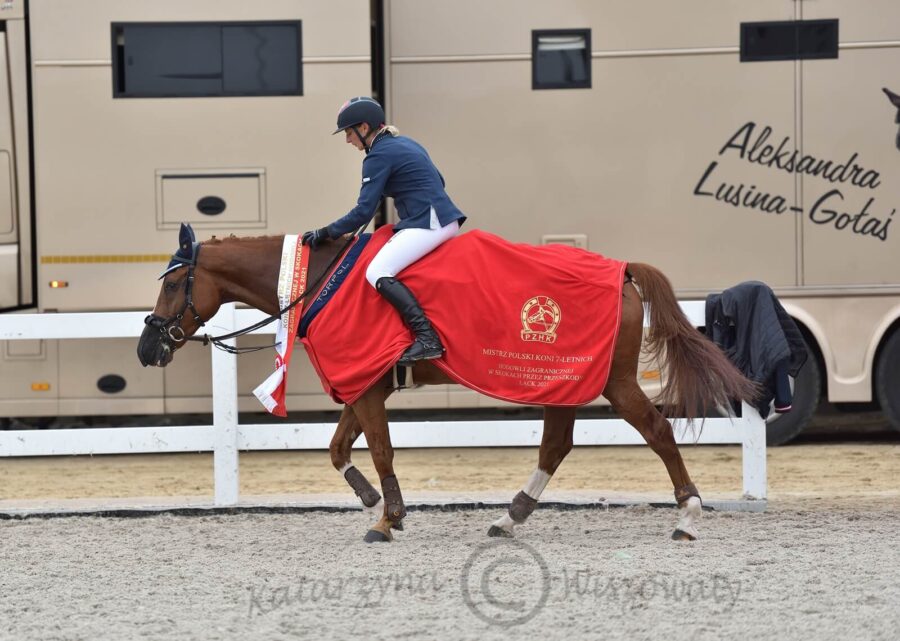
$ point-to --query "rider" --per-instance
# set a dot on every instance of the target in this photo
(399, 167)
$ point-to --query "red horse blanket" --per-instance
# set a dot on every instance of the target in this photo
(523, 323)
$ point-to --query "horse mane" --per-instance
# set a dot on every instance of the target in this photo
(232, 238)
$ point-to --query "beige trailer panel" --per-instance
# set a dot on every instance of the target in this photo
(110, 209)
(848, 331)
(9, 268)
(240, 192)
(851, 233)
(474, 28)
(641, 164)
(80, 31)
(7, 204)
(109, 202)
(619, 162)
(29, 378)
(869, 21)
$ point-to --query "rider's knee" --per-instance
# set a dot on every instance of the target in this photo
(373, 273)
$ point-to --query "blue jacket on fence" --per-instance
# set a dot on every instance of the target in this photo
(399, 167)
(748, 322)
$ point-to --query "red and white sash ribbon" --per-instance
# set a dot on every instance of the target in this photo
(291, 284)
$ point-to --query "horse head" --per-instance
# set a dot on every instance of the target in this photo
(895, 100)
(187, 299)
(244, 270)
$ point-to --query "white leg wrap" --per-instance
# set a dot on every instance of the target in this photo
(689, 516)
(536, 483)
(534, 487)
(505, 523)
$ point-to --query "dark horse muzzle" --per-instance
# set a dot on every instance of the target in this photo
(156, 346)
(162, 336)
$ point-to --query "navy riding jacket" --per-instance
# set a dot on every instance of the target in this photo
(748, 322)
(399, 167)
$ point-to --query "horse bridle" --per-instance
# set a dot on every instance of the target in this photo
(167, 325)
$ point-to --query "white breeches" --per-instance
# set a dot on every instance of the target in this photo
(406, 247)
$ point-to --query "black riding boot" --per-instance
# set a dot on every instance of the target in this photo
(427, 345)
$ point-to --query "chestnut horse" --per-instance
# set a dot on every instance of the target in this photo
(700, 377)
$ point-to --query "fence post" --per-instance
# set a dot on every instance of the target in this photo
(753, 427)
(225, 413)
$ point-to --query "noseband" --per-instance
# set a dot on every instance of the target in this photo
(171, 327)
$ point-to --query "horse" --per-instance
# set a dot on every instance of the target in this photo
(699, 376)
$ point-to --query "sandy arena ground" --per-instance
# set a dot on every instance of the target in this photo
(823, 470)
(821, 573)
(822, 562)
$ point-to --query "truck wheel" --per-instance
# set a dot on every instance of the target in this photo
(807, 387)
(887, 380)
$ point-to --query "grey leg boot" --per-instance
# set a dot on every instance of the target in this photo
(427, 344)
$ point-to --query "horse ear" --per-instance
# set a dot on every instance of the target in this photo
(186, 238)
(894, 98)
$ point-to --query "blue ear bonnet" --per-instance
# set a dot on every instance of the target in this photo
(188, 250)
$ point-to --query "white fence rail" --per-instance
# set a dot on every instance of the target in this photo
(226, 437)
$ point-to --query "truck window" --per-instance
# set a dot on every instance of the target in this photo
(789, 40)
(561, 59)
(184, 60)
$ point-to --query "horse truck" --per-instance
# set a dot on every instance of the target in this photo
(722, 142)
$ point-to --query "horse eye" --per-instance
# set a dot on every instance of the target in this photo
(171, 286)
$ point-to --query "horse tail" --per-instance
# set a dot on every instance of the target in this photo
(699, 377)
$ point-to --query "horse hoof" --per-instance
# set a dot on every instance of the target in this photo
(681, 535)
(499, 531)
(376, 536)
(397, 526)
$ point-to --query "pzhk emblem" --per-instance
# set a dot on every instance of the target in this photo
(540, 318)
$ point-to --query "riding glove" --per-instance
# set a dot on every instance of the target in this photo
(313, 238)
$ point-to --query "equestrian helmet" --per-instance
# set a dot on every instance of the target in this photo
(357, 111)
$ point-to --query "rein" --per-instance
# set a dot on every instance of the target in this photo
(218, 341)
(169, 325)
